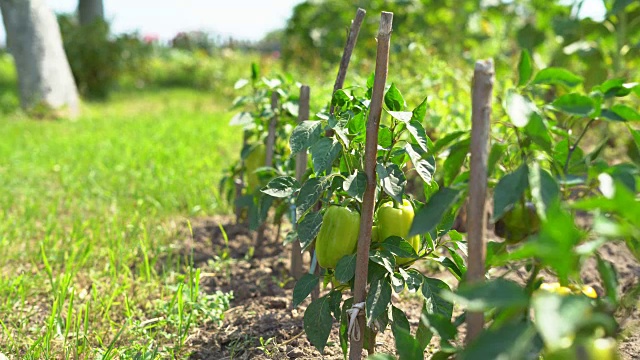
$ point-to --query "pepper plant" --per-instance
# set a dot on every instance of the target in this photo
(338, 181)
(543, 181)
(250, 172)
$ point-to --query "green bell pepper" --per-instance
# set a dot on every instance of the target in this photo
(255, 159)
(397, 222)
(338, 235)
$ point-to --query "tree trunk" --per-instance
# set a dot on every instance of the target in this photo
(33, 38)
(89, 11)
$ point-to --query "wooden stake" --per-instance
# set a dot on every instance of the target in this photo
(301, 168)
(483, 77)
(369, 197)
(239, 182)
(271, 135)
(352, 39)
(271, 143)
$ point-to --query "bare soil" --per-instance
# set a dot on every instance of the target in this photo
(260, 324)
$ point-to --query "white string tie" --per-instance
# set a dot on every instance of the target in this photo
(354, 328)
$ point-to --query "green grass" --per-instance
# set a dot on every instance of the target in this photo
(93, 213)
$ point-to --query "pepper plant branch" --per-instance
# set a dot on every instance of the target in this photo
(483, 78)
(371, 149)
(572, 148)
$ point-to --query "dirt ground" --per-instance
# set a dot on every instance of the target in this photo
(261, 325)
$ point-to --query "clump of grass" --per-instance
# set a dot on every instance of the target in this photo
(91, 221)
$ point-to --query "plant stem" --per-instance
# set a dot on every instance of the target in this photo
(371, 150)
(573, 147)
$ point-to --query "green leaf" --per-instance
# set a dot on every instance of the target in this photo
(620, 112)
(378, 299)
(340, 98)
(397, 282)
(355, 185)
(525, 68)
(446, 140)
(497, 293)
(404, 116)
(495, 154)
(453, 164)
(544, 189)
(440, 325)
(305, 135)
(324, 153)
(393, 99)
(432, 290)
(425, 165)
(304, 287)
(412, 277)
(430, 215)
(537, 131)
(451, 266)
(384, 258)
(317, 322)
(509, 190)
(398, 247)
(241, 119)
(557, 76)
(609, 279)
(407, 347)
(309, 194)
(559, 317)
(574, 104)
(423, 334)
(420, 112)
(385, 138)
(554, 244)
(519, 108)
(281, 187)
(346, 268)
(399, 320)
(392, 180)
(511, 341)
(308, 228)
(419, 134)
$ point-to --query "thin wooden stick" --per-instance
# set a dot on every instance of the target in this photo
(301, 168)
(271, 135)
(371, 149)
(483, 77)
(271, 143)
(239, 182)
(352, 39)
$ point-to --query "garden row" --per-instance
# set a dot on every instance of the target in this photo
(370, 195)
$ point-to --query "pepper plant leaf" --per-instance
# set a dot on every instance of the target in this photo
(305, 135)
(304, 287)
(378, 299)
(317, 322)
(281, 187)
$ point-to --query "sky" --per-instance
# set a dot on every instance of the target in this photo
(242, 19)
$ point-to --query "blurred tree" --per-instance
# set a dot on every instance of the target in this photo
(33, 38)
(89, 11)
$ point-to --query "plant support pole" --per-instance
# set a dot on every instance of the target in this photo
(369, 197)
(483, 78)
(301, 168)
(271, 143)
(239, 182)
(352, 39)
